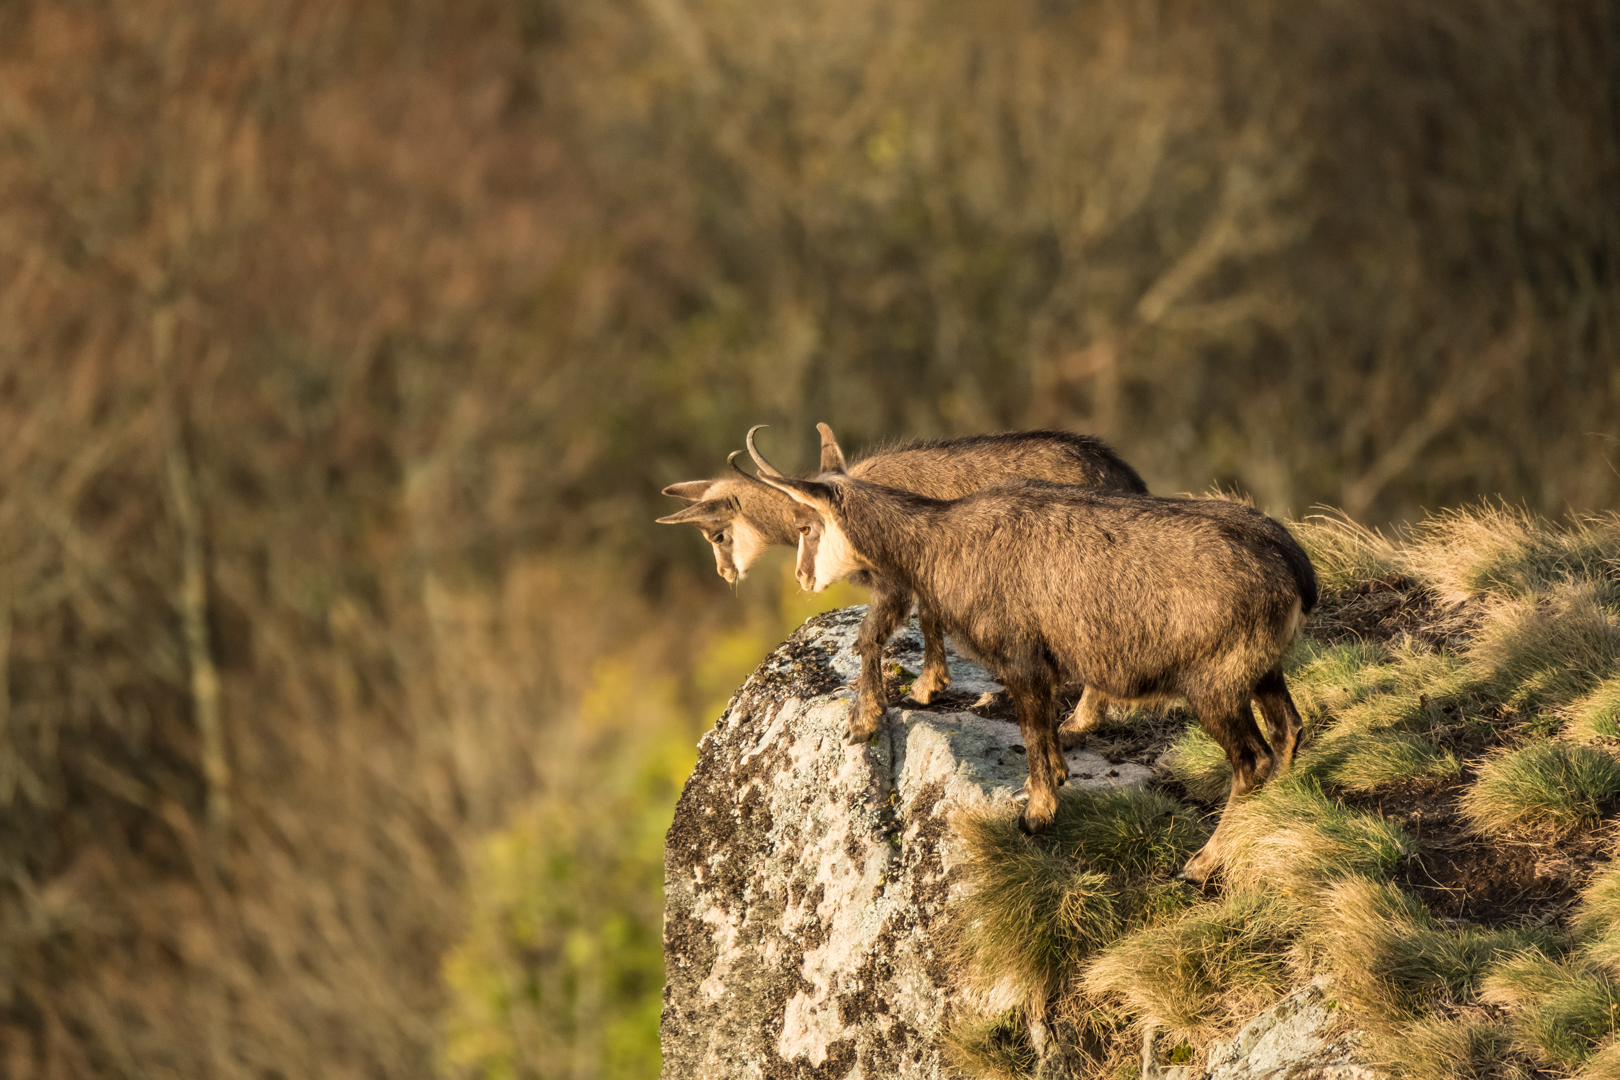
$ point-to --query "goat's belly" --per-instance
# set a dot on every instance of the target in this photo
(1134, 691)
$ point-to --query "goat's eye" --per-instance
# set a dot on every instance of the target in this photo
(804, 530)
(720, 538)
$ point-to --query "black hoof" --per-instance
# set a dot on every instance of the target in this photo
(1023, 826)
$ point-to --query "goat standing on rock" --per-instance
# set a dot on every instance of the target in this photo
(741, 518)
(1142, 598)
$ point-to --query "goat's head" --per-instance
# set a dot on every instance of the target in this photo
(825, 553)
(718, 516)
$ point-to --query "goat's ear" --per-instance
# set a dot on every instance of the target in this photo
(832, 458)
(690, 490)
(712, 510)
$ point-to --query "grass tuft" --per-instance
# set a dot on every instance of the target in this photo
(1443, 1048)
(1029, 913)
(1412, 693)
(1130, 831)
(1562, 1010)
(1200, 765)
(1324, 679)
(1035, 908)
(1542, 784)
(1599, 909)
(1602, 1065)
(1343, 552)
(1597, 715)
(1290, 838)
(1394, 959)
(995, 1047)
(1538, 653)
(1507, 552)
(1373, 761)
(1210, 965)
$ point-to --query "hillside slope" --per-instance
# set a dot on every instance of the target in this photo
(1441, 850)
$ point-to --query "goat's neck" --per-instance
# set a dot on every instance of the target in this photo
(891, 529)
(775, 518)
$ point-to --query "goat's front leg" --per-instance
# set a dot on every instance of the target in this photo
(936, 673)
(1033, 702)
(888, 607)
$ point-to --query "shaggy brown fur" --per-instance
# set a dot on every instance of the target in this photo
(741, 518)
(1137, 596)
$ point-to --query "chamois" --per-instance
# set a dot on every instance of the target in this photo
(1140, 597)
(741, 517)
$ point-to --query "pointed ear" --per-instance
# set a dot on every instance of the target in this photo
(817, 497)
(713, 510)
(832, 458)
(690, 490)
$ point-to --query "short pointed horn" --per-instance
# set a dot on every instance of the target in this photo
(832, 456)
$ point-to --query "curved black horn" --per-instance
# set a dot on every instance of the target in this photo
(764, 466)
(731, 459)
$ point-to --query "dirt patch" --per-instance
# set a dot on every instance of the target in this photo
(1528, 878)
(1391, 608)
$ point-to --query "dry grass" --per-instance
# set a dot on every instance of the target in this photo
(1447, 1047)
(1036, 907)
(1396, 961)
(996, 1047)
(1289, 838)
(1509, 552)
(1324, 679)
(1212, 965)
(1563, 1010)
(1344, 552)
(1549, 651)
(1377, 761)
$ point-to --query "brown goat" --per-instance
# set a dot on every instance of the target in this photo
(741, 517)
(1143, 598)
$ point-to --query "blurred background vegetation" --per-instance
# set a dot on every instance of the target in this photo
(344, 349)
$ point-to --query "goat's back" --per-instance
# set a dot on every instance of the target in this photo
(952, 468)
(1131, 593)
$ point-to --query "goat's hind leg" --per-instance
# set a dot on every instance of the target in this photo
(1231, 724)
(1283, 725)
(1088, 714)
(888, 607)
(936, 672)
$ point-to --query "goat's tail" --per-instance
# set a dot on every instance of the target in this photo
(1304, 575)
